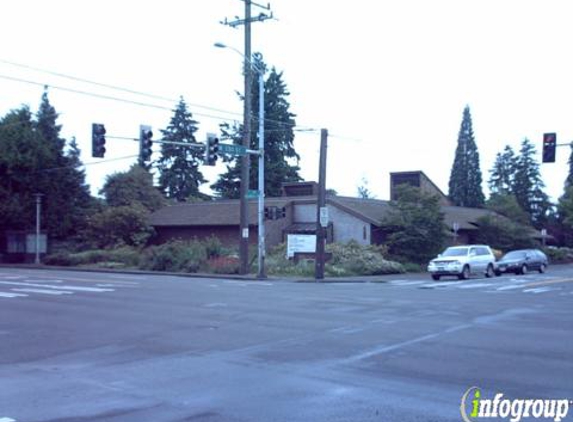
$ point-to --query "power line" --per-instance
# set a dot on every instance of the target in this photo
(135, 92)
(113, 87)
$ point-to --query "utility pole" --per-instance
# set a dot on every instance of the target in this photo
(245, 159)
(321, 210)
(38, 225)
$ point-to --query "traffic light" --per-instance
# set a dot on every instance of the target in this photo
(98, 140)
(549, 144)
(283, 212)
(211, 150)
(267, 213)
(145, 143)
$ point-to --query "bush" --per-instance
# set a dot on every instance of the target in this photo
(347, 260)
(176, 256)
(114, 258)
(559, 255)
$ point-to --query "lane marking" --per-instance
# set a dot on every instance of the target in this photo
(43, 291)
(475, 285)
(11, 295)
(60, 287)
(7, 420)
(546, 282)
(508, 288)
(540, 290)
(405, 283)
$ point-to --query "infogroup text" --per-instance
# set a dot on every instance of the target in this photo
(474, 407)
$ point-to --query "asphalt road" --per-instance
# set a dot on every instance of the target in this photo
(80, 346)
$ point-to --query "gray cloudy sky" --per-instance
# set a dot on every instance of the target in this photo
(388, 79)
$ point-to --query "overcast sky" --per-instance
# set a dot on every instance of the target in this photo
(388, 79)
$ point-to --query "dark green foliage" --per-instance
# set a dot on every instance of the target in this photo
(33, 160)
(528, 186)
(132, 187)
(569, 180)
(179, 166)
(504, 234)
(176, 256)
(506, 204)
(415, 225)
(502, 174)
(465, 179)
(124, 257)
(281, 159)
(118, 226)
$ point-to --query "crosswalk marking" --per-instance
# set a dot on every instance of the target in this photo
(44, 291)
(11, 295)
(7, 420)
(59, 287)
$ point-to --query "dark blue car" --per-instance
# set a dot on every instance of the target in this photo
(522, 261)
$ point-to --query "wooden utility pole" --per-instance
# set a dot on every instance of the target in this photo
(247, 118)
(321, 210)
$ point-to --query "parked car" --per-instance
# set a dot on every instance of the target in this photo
(522, 261)
(462, 261)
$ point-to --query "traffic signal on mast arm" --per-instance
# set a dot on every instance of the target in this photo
(549, 145)
(211, 150)
(145, 143)
(98, 140)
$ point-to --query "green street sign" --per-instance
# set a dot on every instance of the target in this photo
(252, 194)
(232, 149)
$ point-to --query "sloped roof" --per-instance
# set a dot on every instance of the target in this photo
(209, 213)
(226, 212)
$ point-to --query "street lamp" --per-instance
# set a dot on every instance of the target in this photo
(261, 176)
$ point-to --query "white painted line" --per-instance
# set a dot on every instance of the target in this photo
(45, 281)
(43, 291)
(7, 420)
(60, 287)
(215, 305)
(11, 295)
(540, 290)
(405, 283)
(474, 286)
(508, 288)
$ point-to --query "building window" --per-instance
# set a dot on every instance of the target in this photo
(364, 234)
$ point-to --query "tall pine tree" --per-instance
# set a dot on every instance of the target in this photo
(569, 179)
(67, 199)
(465, 179)
(179, 173)
(281, 159)
(528, 185)
(503, 172)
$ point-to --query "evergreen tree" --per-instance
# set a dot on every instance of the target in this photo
(281, 159)
(466, 178)
(33, 160)
(415, 225)
(528, 186)
(179, 174)
(503, 172)
(569, 180)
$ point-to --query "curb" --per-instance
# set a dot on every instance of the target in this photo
(249, 277)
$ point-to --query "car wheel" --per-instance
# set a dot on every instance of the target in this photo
(489, 273)
(435, 277)
(542, 268)
(523, 269)
(497, 273)
(465, 273)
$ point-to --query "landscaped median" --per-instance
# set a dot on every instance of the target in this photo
(211, 257)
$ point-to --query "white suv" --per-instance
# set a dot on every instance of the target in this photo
(462, 261)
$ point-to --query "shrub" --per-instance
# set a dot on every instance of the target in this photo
(176, 256)
(347, 260)
(224, 265)
(122, 257)
(559, 255)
